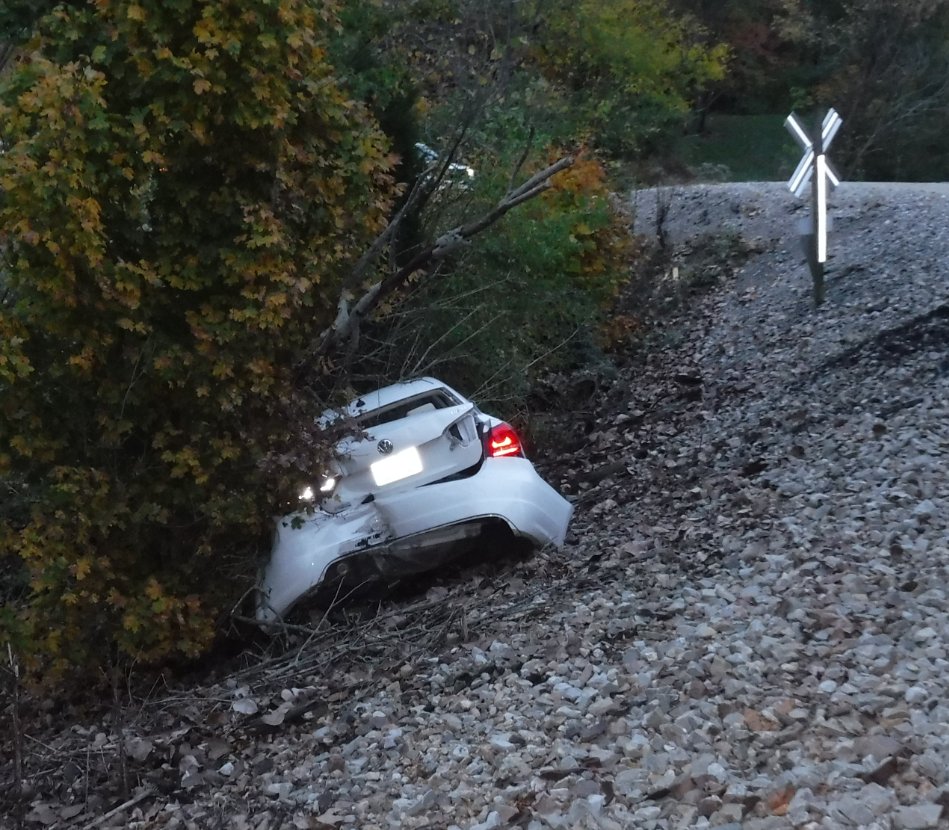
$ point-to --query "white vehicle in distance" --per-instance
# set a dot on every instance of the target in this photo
(455, 173)
(428, 477)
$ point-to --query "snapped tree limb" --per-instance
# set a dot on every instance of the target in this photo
(350, 314)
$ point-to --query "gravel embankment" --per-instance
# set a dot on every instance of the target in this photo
(750, 627)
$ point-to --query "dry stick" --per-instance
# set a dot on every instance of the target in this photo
(44, 745)
(17, 729)
(87, 776)
(522, 159)
(403, 319)
(7, 50)
(326, 613)
(116, 810)
(303, 629)
(118, 724)
(485, 386)
(368, 634)
(418, 370)
(306, 629)
(253, 589)
(283, 626)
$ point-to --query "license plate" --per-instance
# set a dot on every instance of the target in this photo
(403, 464)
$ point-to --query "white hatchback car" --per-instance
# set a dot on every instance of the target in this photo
(428, 473)
(455, 173)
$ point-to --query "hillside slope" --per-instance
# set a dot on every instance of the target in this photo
(749, 627)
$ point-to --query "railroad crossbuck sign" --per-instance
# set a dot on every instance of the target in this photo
(816, 170)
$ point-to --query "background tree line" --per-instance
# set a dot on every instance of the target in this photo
(883, 65)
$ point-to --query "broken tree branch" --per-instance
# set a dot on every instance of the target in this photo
(426, 260)
(520, 162)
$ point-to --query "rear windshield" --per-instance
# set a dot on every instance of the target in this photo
(427, 401)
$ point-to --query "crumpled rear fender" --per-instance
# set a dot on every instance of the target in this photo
(304, 548)
(504, 488)
(508, 489)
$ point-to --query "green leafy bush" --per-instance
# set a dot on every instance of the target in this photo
(633, 67)
(183, 186)
(529, 298)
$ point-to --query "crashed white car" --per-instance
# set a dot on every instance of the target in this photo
(428, 472)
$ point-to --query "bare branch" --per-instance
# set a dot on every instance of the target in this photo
(125, 805)
(416, 197)
(17, 727)
(425, 261)
(541, 177)
(520, 162)
(7, 50)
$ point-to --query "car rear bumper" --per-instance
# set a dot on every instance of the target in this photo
(504, 488)
(508, 489)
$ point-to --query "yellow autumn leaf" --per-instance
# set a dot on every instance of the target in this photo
(205, 30)
(202, 85)
(21, 445)
(82, 360)
(135, 13)
(131, 622)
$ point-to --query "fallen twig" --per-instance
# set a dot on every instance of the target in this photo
(17, 734)
(148, 793)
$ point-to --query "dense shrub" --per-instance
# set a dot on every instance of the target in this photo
(182, 188)
(185, 186)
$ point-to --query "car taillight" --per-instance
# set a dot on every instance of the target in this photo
(502, 441)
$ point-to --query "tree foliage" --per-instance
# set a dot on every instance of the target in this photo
(883, 65)
(890, 80)
(530, 298)
(617, 73)
(183, 186)
(634, 66)
(192, 201)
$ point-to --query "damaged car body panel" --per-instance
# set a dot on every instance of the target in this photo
(429, 472)
(443, 440)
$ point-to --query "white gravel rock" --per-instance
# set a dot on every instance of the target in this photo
(917, 817)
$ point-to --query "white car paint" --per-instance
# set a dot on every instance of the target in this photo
(455, 172)
(460, 491)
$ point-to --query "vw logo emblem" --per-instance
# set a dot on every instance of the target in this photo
(384, 446)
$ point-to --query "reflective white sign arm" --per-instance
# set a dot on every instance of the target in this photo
(821, 228)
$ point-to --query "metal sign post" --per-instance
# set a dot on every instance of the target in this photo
(816, 170)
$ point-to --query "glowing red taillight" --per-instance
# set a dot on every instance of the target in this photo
(502, 441)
